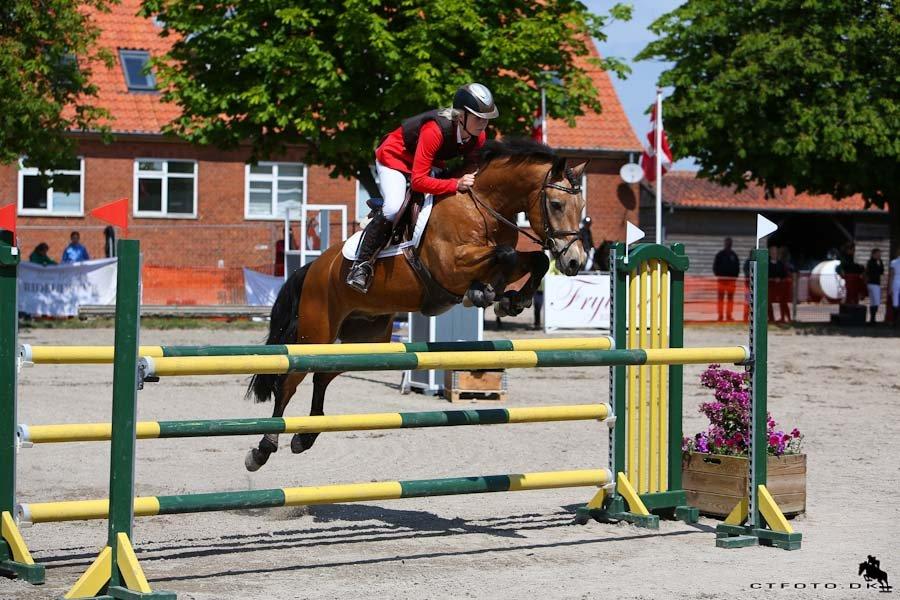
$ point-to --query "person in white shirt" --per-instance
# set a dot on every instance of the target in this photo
(895, 286)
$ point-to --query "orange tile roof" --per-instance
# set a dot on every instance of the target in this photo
(132, 112)
(685, 189)
(609, 130)
(145, 112)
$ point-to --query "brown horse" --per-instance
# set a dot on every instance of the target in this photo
(469, 251)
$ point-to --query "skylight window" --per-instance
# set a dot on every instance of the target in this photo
(135, 65)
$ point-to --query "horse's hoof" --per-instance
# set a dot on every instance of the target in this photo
(301, 442)
(255, 459)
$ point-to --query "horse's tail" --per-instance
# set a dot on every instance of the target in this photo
(282, 330)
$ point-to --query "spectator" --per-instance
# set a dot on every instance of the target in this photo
(726, 268)
(785, 287)
(874, 271)
(895, 286)
(852, 272)
(747, 298)
(75, 252)
(39, 255)
(601, 256)
(109, 237)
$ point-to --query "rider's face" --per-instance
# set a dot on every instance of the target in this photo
(472, 125)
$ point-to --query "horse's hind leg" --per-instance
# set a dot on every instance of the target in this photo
(352, 330)
(304, 441)
(284, 391)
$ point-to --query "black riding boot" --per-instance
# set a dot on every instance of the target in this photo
(375, 236)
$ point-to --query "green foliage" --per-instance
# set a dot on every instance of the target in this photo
(336, 75)
(44, 90)
(787, 92)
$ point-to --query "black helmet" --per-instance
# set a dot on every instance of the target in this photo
(476, 99)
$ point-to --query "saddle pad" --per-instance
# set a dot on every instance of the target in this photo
(351, 246)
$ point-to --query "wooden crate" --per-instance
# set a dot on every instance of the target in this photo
(716, 483)
(475, 385)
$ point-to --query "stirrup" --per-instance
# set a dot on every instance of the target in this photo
(363, 270)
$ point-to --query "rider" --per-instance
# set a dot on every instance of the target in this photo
(409, 152)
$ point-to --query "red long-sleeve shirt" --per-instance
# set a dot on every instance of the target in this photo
(393, 153)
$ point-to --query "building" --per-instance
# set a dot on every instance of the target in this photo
(701, 214)
(202, 209)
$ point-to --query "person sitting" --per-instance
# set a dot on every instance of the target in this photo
(39, 255)
(411, 151)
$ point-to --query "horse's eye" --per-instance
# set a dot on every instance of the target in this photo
(556, 204)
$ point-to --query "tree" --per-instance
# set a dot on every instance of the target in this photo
(45, 91)
(336, 75)
(788, 92)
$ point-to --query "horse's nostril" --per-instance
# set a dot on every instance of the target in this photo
(573, 264)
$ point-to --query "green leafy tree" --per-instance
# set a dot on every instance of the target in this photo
(45, 89)
(336, 75)
(788, 92)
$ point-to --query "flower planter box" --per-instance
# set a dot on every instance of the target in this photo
(715, 483)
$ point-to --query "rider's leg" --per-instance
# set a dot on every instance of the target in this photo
(378, 231)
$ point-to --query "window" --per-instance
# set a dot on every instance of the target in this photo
(362, 196)
(271, 188)
(63, 197)
(136, 66)
(165, 188)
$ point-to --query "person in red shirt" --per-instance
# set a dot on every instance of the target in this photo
(409, 153)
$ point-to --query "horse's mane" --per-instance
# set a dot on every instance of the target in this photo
(518, 150)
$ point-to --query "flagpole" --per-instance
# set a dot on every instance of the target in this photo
(543, 114)
(658, 166)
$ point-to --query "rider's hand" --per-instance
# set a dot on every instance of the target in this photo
(465, 182)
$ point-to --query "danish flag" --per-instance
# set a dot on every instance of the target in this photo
(648, 159)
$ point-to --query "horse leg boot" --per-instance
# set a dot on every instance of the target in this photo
(375, 236)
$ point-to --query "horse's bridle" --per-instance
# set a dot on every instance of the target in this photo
(551, 234)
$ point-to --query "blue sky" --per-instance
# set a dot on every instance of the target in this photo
(624, 40)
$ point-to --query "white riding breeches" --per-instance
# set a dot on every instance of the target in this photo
(392, 184)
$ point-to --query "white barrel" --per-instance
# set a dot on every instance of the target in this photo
(825, 282)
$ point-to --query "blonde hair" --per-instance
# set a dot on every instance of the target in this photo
(452, 114)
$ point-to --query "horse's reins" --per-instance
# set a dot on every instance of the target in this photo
(551, 234)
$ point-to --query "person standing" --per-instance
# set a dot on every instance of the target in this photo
(895, 286)
(874, 271)
(726, 268)
(75, 252)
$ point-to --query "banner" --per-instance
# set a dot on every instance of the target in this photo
(580, 302)
(58, 290)
(261, 289)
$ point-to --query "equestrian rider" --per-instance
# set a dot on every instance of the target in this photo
(411, 151)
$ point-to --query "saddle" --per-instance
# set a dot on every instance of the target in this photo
(409, 216)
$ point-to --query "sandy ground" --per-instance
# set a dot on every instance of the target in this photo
(841, 391)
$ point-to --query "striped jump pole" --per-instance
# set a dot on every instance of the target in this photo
(240, 365)
(63, 355)
(96, 432)
(81, 510)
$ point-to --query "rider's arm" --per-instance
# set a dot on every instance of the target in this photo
(430, 140)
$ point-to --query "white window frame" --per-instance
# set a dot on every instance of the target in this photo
(48, 212)
(522, 219)
(273, 178)
(164, 176)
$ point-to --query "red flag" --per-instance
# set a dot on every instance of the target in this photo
(648, 159)
(537, 127)
(8, 218)
(114, 213)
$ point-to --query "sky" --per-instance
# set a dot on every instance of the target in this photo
(625, 40)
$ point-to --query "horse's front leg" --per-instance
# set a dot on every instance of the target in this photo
(533, 264)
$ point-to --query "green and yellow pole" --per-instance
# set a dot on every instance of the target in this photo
(116, 570)
(149, 506)
(15, 560)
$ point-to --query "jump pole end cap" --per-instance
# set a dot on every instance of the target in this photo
(23, 437)
(23, 515)
(24, 355)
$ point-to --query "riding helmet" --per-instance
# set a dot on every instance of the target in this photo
(476, 99)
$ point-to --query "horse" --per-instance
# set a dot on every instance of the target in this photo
(871, 572)
(467, 253)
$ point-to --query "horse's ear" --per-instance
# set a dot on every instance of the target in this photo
(578, 170)
(559, 169)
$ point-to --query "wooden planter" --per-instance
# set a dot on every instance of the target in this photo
(715, 483)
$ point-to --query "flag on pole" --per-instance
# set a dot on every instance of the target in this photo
(537, 127)
(8, 218)
(114, 213)
(648, 159)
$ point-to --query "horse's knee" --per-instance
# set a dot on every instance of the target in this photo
(506, 257)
